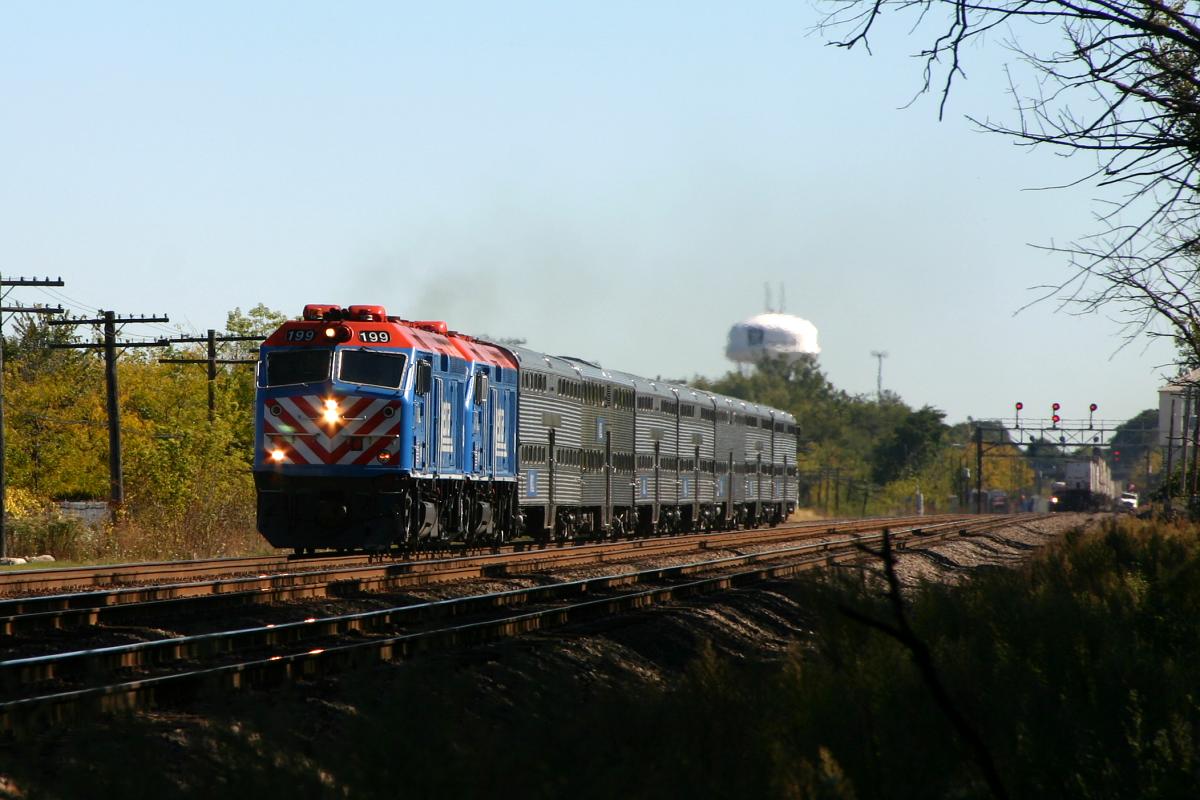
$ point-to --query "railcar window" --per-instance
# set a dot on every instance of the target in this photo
(286, 367)
(372, 368)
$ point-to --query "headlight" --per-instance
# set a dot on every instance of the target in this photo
(332, 413)
(338, 333)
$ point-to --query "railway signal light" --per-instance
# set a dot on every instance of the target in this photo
(1054, 417)
(1091, 410)
(1019, 407)
(1116, 455)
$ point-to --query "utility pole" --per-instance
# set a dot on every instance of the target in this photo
(1170, 451)
(880, 355)
(212, 361)
(978, 469)
(4, 289)
(110, 321)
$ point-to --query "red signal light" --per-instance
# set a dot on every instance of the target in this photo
(1020, 406)
(1093, 407)
(1056, 419)
(1055, 407)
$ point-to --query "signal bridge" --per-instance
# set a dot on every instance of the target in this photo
(1070, 432)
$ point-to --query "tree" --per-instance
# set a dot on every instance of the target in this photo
(1123, 88)
(910, 447)
(1135, 440)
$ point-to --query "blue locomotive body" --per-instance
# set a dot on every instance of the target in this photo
(373, 431)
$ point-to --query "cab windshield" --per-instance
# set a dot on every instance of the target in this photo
(288, 367)
(372, 368)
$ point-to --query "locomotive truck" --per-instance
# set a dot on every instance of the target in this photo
(376, 432)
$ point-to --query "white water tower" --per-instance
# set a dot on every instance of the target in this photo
(771, 335)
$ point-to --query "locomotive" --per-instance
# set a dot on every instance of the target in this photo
(1088, 486)
(374, 432)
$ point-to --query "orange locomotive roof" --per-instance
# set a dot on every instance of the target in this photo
(354, 326)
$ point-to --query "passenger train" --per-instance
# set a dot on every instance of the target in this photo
(375, 432)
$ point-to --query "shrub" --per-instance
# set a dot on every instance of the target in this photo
(65, 538)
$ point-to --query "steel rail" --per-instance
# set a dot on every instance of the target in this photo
(19, 673)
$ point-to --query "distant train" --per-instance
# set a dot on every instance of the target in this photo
(375, 432)
(1088, 486)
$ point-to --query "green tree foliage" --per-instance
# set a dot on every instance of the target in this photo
(911, 446)
(258, 321)
(1136, 439)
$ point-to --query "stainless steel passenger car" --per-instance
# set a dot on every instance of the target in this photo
(605, 453)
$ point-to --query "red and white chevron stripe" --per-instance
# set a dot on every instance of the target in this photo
(297, 426)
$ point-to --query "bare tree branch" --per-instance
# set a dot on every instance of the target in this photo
(901, 630)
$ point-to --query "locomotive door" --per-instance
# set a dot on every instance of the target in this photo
(437, 425)
(499, 436)
(421, 425)
(485, 434)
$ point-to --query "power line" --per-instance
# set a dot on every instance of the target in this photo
(212, 361)
(68, 301)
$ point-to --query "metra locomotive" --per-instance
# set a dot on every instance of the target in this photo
(374, 432)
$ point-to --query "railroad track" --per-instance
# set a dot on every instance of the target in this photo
(46, 687)
(117, 575)
(335, 578)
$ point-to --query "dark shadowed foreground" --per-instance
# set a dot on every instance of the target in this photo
(1078, 670)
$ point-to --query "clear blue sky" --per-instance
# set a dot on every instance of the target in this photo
(614, 180)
